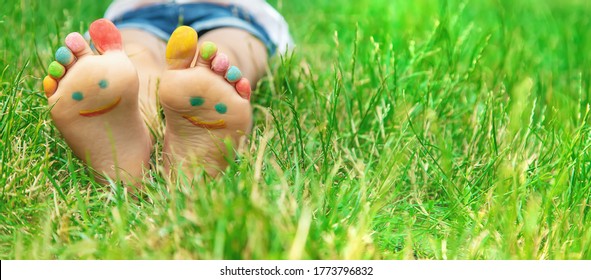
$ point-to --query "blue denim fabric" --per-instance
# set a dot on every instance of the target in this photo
(162, 19)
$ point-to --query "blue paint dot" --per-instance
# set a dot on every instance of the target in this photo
(77, 96)
(221, 108)
(233, 74)
(64, 56)
(103, 84)
(196, 101)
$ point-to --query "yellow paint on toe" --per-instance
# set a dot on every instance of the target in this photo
(100, 110)
(205, 124)
(181, 47)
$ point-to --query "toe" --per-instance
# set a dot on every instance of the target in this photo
(243, 88)
(207, 53)
(56, 70)
(220, 64)
(76, 43)
(64, 56)
(105, 36)
(49, 86)
(233, 75)
(181, 48)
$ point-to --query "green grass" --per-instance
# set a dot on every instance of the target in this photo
(397, 130)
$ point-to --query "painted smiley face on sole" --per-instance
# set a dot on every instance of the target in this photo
(219, 124)
(100, 110)
(198, 101)
(94, 104)
(204, 105)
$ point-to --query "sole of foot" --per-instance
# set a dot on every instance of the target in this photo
(94, 104)
(207, 107)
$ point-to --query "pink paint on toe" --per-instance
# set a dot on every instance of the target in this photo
(75, 42)
(105, 35)
(220, 64)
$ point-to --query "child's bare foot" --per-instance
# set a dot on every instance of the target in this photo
(94, 100)
(203, 105)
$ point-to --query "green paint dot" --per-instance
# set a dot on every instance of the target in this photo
(221, 108)
(77, 96)
(56, 70)
(208, 49)
(196, 101)
(103, 84)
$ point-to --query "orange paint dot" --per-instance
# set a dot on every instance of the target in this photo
(49, 86)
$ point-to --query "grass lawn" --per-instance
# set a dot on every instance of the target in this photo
(398, 130)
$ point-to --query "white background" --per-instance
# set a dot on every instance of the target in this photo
(164, 270)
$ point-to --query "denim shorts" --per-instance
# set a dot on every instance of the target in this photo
(162, 19)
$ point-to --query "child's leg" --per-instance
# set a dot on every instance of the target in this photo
(248, 53)
(146, 52)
